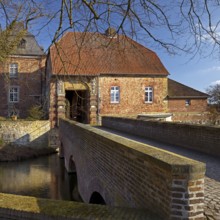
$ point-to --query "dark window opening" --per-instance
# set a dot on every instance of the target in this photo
(22, 44)
(96, 198)
(187, 102)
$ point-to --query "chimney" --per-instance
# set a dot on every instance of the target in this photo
(110, 32)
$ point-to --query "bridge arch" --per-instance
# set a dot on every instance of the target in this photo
(96, 198)
(61, 150)
(97, 193)
(71, 165)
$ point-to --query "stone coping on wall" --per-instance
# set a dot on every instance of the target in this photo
(202, 138)
(154, 115)
(176, 164)
(25, 207)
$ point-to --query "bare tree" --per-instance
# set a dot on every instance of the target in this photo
(11, 13)
(214, 93)
(8, 42)
(187, 25)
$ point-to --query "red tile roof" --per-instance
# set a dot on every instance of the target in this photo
(177, 90)
(96, 54)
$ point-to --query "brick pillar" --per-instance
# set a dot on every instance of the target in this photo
(61, 101)
(61, 107)
(187, 199)
(93, 110)
(93, 103)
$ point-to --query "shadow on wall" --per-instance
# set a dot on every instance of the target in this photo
(26, 133)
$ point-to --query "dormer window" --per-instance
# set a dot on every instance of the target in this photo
(22, 44)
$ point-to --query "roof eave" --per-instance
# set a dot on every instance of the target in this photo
(188, 97)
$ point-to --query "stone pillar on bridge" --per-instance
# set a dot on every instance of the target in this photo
(93, 106)
(61, 104)
(93, 110)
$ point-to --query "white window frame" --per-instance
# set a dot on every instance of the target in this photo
(115, 94)
(148, 94)
(13, 95)
(13, 70)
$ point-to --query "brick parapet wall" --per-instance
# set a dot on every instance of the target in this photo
(131, 174)
(15, 207)
(197, 137)
(25, 133)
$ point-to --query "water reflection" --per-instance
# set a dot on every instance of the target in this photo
(43, 177)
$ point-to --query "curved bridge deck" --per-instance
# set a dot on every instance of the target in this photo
(212, 175)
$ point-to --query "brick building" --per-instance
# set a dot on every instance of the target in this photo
(21, 78)
(185, 103)
(90, 75)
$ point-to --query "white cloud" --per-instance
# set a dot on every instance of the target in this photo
(211, 39)
(211, 69)
(212, 36)
(215, 82)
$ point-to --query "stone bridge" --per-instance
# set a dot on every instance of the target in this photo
(115, 171)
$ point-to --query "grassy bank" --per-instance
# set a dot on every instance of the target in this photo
(16, 153)
(25, 207)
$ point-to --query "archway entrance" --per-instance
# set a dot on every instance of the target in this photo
(96, 198)
(77, 105)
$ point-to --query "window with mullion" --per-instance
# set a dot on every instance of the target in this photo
(14, 94)
(115, 94)
(13, 70)
(148, 94)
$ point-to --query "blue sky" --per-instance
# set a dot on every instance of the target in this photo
(198, 72)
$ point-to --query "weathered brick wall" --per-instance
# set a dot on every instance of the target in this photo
(196, 112)
(29, 80)
(193, 117)
(132, 95)
(25, 133)
(14, 207)
(179, 105)
(52, 102)
(198, 137)
(130, 174)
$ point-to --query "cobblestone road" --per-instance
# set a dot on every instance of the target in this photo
(212, 178)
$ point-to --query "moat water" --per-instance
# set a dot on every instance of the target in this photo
(43, 177)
